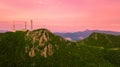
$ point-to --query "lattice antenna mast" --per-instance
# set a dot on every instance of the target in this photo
(14, 26)
(25, 25)
(31, 24)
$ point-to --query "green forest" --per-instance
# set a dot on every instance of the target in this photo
(42, 48)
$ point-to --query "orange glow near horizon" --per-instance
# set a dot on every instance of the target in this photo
(61, 15)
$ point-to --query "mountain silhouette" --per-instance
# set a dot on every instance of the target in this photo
(42, 48)
(103, 40)
(75, 36)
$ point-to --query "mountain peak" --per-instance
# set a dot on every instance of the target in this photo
(42, 29)
(39, 33)
(43, 42)
(103, 40)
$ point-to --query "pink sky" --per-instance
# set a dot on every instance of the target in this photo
(61, 15)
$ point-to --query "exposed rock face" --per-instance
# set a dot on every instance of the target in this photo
(43, 42)
(41, 48)
(32, 53)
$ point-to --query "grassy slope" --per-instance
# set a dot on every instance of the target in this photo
(103, 40)
(12, 49)
(12, 54)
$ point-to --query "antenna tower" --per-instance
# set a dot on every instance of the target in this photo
(25, 25)
(13, 26)
(31, 24)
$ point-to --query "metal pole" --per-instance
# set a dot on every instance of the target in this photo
(13, 26)
(31, 24)
(25, 25)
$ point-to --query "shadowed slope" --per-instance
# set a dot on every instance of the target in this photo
(103, 40)
(41, 48)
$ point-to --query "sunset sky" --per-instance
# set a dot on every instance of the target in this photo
(61, 15)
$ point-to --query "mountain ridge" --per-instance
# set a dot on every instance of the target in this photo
(45, 41)
(43, 48)
(102, 40)
(84, 34)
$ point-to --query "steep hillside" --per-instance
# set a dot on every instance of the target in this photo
(103, 40)
(112, 55)
(41, 48)
(47, 49)
(12, 49)
(43, 42)
(109, 45)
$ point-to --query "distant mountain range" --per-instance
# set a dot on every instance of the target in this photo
(3, 31)
(42, 48)
(75, 36)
